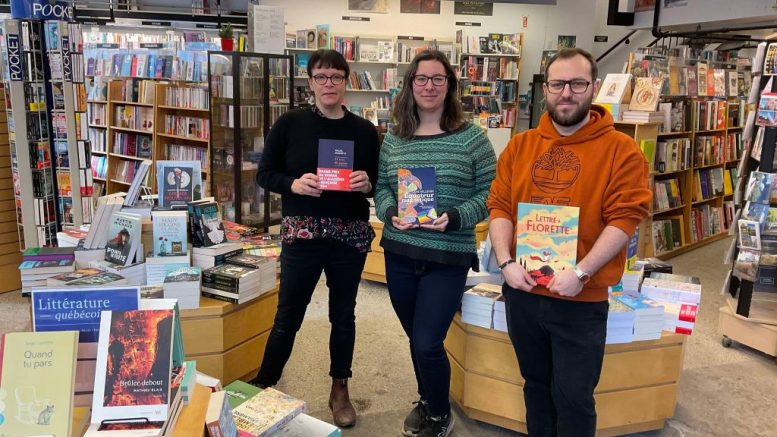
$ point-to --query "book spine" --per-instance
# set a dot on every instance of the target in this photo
(219, 297)
(220, 285)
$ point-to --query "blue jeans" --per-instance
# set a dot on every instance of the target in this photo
(426, 295)
(560, 349)
(301, 267)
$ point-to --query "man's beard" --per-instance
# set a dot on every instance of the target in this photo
(572, 119)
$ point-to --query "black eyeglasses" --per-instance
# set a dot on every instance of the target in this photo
(576, 86)
(336, 79)
(438, 80)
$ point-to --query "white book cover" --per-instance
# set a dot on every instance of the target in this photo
(123, 238)
(616, 88)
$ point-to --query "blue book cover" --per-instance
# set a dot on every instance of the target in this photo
(126, 66)
(116, 68)
(169, 233)
(78, 309)
(208, 224)
(151, 66)
(178, 182)
(335, 164)
(416, 194)
(159, 67)
(302, 64)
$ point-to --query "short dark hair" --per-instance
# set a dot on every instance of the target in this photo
(326, 58)
(405, 112)
(571, 53)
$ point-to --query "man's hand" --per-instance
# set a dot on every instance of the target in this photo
(402, 226)
(565, 283)
(360, 181)
(438, 225)
(517, 277)
(307, 185)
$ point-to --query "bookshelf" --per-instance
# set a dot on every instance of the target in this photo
(70, 137)
(182, 126)
(28, 130)
(130, 133)
(248, 92)
(10, 257)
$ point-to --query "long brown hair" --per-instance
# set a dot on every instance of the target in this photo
(405, 111)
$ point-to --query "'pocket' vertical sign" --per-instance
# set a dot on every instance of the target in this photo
(14, 58)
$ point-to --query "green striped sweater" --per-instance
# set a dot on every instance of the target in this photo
(465, 165)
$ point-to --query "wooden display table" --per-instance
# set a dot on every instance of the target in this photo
(637, 390)
(228, 340)
(760, 336)
(375, 266)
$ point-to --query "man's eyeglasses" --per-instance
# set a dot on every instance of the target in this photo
(336, 79)
(576, 86)
(438, 80)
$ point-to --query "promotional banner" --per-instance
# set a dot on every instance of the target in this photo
(42, 9)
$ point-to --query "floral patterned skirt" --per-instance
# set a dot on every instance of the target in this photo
(356, 233)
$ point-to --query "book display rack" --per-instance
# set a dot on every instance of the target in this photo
(248, 92)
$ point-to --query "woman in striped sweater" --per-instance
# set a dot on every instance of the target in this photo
(427, 262)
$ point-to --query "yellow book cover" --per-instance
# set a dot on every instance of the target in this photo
(546, 239)
(728, 186)
(36, 383)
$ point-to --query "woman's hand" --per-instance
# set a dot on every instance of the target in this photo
(402, 226)
(438, 225)
(306, 185)
(360, 181)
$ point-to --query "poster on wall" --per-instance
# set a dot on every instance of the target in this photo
(673, 3)
(371, 6)
(566, 41)
(482, 9)
(266, 29)
(644, 5)
(419, 7)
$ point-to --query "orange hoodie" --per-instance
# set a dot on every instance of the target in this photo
(597, 169)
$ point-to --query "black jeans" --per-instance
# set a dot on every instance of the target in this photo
(560, 348)
(301, 267)
(425, 295)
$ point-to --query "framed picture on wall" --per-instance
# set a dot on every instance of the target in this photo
(419, 7)
(371, 6)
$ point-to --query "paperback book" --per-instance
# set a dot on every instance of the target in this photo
(178, 182)
(546, 239)
(335, 164)
(124, 238)
(416, 195)
(170, 238)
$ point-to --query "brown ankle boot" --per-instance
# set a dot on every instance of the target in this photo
(343, 412)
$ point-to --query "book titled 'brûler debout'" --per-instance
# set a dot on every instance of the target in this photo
(546, 239)
(335, 164)
(416, 195)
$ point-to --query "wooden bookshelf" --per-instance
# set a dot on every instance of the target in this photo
(691, 202)
(9, 232)
(185, 101)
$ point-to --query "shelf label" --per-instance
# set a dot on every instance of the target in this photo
(410, 37)
(468, 23)
(105, 45)
(14, 58)
(151, 45)
(207, 26)
(157, 23)
(351, 18)
(67, 68)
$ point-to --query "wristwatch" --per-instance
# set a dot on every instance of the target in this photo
(581, 275)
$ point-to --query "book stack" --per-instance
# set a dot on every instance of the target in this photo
(218, 417)
(266, 412)
(266, 266)
(620, 323)
(231, 283)
(184, 284)
(477, 306)
(85, 278)
(648, 317)
(212, 256)
(158, 267)
(70, 237)
(134, 273)
(631, 280)
(643, 116)
(40, 263)
(500, 315)
(679, 295)
(307, 426)
(97, 236)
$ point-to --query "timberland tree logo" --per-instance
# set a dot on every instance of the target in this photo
(555, 170)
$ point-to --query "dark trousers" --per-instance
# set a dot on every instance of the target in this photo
(560, 348)
(301, 267)
(425, 295)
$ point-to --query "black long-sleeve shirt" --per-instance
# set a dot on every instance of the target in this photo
(291, 150)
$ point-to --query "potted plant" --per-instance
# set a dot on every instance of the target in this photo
(226, 33)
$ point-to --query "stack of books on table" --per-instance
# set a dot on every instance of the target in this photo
(231, 283)
(70, 237)
(630, 281)
(648, 317)
(212, 256)
(265, 412)
(85, 278)
(184, 284)
(134, 273)
(157, 267)
(477, 305)
(267, 268)
(679, 295)
(40, 263)
(643, 116)
(620, 323)
(500, 315)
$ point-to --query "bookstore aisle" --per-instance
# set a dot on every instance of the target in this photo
(723, 392)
